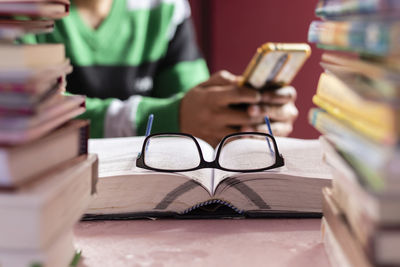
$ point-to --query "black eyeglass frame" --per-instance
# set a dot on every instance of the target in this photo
(279, 160)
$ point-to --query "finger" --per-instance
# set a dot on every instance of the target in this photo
(228, 95)
(278, 128)
(282, 95)
(286, 112)
(254, 110)
(221, 78)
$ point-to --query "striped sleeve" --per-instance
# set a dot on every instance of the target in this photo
(181, 69)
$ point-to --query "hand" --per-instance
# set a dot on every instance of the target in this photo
(279, 106)
(206, 110)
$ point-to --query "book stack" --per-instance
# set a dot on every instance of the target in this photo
(46, 175)
(358, 98)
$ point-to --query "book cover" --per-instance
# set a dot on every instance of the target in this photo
(23, 162)
(10, 29)
(374, 162)
(338, 93)
(60, 253)
(26, 129)
(355, 198)
(53, 9)
(368, 129)
(374, 81)
(32, 56)
(344, 9)
(33, 215)
(380, 249)
(32, 81)
(369, 37)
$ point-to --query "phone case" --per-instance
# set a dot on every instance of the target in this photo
(275, 65)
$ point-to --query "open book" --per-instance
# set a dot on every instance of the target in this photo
(125, 190)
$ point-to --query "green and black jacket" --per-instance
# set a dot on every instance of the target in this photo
(141, 60)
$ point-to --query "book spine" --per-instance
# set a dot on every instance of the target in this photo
(213, 201)
(368, 158)
(369, 130)
(334, 128)
(376, 38)
(335, 253)
(329, 9)
(5, 175)
(13, 87)
(83, 139)
(337, 223)
(343, 96)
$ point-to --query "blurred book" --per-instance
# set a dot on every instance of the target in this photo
(23, 162)
(369, 37)
(380, 245)
(27, 104)
(33, 215)
(380, 207)
(371, 80)
(358, 115)
(35, 8)
(46, 176)
(341, 246)
(12, 29)
(26, 129)
(32, 81)
(60, 253)
(347, 9)
(373, 161)
(375, 119)
(31, 56)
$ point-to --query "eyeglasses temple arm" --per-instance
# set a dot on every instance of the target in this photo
(267, 122)
(148, 130)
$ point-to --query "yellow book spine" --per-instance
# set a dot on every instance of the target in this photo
(366, 128)
(339, 94)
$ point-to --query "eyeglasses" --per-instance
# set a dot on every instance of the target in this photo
(239, 152)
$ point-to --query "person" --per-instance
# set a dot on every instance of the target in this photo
(133, 58)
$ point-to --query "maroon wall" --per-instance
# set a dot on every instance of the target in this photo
(230, 31)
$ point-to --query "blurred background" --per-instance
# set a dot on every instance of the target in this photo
(229, 32)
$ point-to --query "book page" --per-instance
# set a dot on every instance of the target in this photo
(117, 156)
(303, 158)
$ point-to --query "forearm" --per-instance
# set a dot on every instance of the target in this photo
(116, 118)
(165, 110)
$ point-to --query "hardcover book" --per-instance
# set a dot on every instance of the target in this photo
(380, 249)
(59, 253)
(54, 9)
(19, 130)
(22, 162)
(34, 214)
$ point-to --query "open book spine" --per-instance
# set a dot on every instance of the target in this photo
(213, 201)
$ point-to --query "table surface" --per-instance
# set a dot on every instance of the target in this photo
(234, 242)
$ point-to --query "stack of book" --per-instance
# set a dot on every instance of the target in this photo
(358, 99)
(46, 175)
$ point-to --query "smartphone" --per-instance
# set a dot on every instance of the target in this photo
(275, 65)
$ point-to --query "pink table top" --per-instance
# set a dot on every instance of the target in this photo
(251, 242)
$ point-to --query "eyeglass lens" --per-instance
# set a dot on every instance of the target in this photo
(171, 152)
(247, 152)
